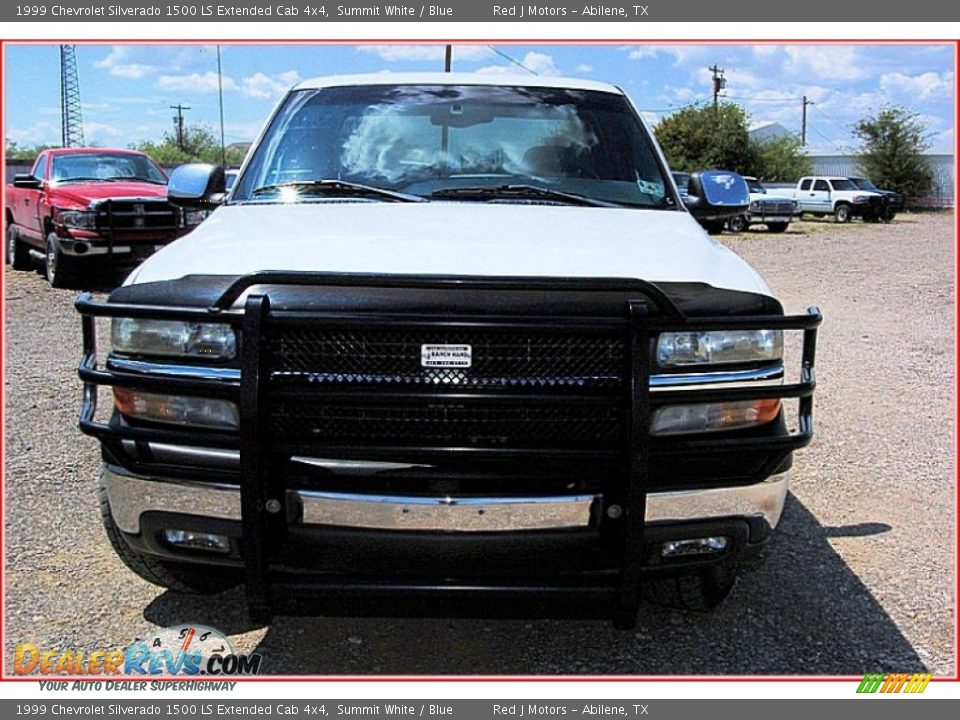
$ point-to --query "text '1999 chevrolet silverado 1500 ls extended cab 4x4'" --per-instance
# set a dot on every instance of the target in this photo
(451, 344)
(80, 207)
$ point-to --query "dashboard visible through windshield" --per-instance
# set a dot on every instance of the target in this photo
(478, 143)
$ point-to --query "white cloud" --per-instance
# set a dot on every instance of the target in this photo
(681, 54)
(829, 62)
(918, 87)
(427, 53)
(96, 131)
(121, 62)
(41, 133)
(765, 51)
(539, 63)
(584, 68)
(195, 82)
(139, 61)
(268, 87)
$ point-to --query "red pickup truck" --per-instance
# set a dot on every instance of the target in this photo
(83, 206)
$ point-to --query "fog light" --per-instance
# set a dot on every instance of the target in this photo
(177, 409)
(713, 417)
(693, 546)
(185, 539)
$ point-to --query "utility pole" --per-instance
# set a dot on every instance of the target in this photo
(448, 58)
(223, 140)
(803, 124)
(719, 83)
(178, 122)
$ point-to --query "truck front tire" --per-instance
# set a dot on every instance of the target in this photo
(778, 227)
(18, 255)
(59, 270)
(699, 590)
(737, 224)
(183, 578)
(842, 213)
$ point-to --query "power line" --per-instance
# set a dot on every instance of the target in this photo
(749, 99)
(846, 130)
(514, 61)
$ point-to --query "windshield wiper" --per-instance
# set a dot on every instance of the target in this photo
(136, 178)
(519, 192)
(342, 188)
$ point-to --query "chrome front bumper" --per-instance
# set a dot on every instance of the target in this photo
(131, 496)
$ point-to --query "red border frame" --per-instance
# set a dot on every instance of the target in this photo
(505, 678)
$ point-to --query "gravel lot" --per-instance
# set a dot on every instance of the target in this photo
(860, 577)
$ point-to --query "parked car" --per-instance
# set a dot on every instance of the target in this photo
(774, 211)
(81, 206)
(821, 196)
(894, 200)
(451, 342)
(728, 191)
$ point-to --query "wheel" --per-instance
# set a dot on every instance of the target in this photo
(778, 227)
(737, 224)
(178, 577)
(890, 215)
(18, 256)
(842, 213)
(699, 590)
(59, 268)
(714, 227)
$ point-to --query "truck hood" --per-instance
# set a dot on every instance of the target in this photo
(770, 198)
(82, 194)
(453, 238)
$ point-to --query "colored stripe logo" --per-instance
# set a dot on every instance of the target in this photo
(894, 683)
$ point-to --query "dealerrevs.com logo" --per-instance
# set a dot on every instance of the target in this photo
(181, 650)
(894, 683)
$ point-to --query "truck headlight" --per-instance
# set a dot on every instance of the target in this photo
(713, 417)
(192, 218)
(716, 347)
(78, 219)
(178, 338)
(177, 409)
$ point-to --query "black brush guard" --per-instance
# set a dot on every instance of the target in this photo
(264, 530)
(108, 227)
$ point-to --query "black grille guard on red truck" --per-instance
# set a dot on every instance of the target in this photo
(648, 313)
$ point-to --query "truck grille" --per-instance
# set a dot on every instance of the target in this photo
(137, 215)
(777, 208)
(525, 388)
(500, 358)
(452, 422)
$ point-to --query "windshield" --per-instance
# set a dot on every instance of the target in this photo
(863, 184)
(754, 186)
(106, 167)
(843, 185)
(427, 140)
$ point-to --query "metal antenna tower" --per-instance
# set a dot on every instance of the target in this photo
(71, 120)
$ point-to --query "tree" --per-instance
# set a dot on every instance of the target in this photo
(199, 144)
(27, 153)
(702, 137)
(892, 144)
(780, 160)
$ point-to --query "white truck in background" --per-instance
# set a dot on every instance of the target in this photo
(820, 196)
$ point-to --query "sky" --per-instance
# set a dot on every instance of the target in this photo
(127, 90)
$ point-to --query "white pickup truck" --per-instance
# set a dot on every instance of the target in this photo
(838, 196)
(451, 343)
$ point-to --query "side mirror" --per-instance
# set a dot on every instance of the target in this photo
(28, 181)
(717, 195)
(197, 185)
